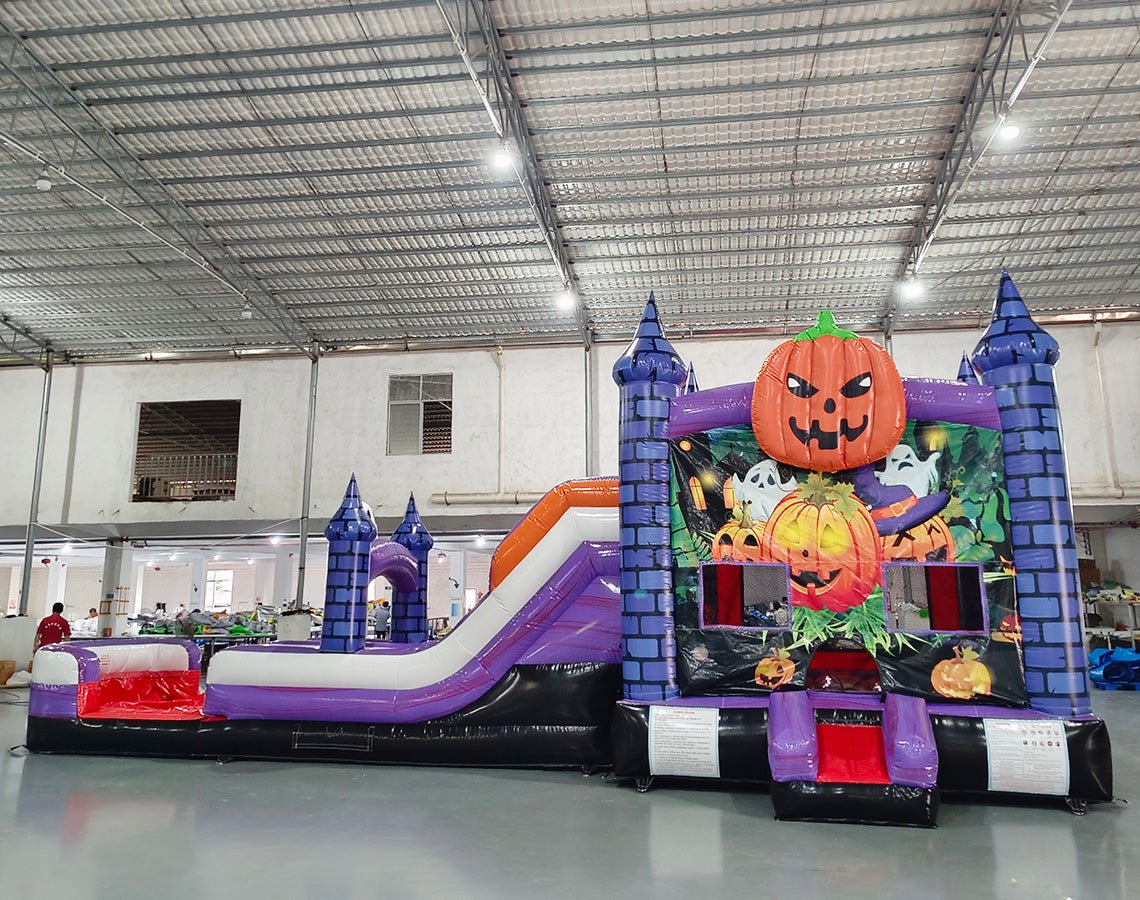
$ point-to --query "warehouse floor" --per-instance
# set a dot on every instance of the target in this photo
(106, 827)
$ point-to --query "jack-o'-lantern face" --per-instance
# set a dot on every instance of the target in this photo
(829, 543)
(962, 676)
(929, 541)
(739, 538)
(774, 670)
(828, 400)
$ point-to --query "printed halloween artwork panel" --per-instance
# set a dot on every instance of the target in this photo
(908, 557)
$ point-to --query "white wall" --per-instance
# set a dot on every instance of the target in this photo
(87, 476)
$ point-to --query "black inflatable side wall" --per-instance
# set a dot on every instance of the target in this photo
(537, 716)
(962, 760)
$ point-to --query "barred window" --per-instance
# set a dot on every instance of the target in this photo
(934, 597)
(187, 451)
(419, 414)
(745, 595)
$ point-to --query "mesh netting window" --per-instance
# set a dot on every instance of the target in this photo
(419, 414)
(934, 597)
(187, 450)
(745, 595)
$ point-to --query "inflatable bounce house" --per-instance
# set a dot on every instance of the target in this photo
(857, 588)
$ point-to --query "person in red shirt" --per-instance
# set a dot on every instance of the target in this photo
(52, 629)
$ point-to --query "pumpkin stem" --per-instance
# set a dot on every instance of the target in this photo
(824, 326)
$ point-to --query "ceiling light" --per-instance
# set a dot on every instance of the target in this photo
(566, 300)
(217, 556)
(502, 159)
(43, 182)
(150, 563)
(67, 548)
(247, 312)
(480, 541)
(249, 562)
(275, 540)
(441, 558)
(910, 288)
(172, 557)
(1009, 131)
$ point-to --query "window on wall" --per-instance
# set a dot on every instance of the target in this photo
(419, 414)
(934, 597)
(219, 589)
(187, 451)
(745, 595)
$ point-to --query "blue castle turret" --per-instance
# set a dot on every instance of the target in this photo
(649, 374)
(1016, 357)
(409, 623)
(350, 534)
(966, 373)
(691, 386)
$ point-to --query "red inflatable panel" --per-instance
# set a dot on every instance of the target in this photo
(851, 754)
(142, 695)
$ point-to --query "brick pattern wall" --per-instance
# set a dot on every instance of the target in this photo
(350, 534)
(409, 623)
(650, 374)
(1016, 357)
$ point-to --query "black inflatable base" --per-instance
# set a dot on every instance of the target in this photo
(865, 804)
(542, 716)
(963, 760)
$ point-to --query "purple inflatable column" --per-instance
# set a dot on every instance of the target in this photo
(350, 534)
(650, 374)
(409, 623)
(1016, 357)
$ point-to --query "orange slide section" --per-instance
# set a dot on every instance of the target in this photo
(516, 545)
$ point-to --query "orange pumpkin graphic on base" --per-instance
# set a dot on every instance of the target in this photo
(828, 400)
(775, 671)
(961, 677)
(739, 538)
(829, 543)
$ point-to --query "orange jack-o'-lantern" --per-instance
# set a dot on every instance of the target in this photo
(739, 538)
(828, 400)
(1009, 630)
(775, 670)
(961, 677)
(829, 542)
(929, 541)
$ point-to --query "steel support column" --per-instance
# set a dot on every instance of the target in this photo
(307, 482)
(37, 481)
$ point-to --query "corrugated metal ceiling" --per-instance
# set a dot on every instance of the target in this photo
(330, 165)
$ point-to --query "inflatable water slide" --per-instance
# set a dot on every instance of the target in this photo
(528, 678)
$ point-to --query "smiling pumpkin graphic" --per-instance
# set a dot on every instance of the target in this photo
(829, 542)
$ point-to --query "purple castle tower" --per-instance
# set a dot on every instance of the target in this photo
(350, 534)
(649, 374)
(1016, 357)
(691, 386)
(966, 373)
(409, 608)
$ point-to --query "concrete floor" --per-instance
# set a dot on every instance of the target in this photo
(119, 828)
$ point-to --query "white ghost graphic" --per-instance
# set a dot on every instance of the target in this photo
(762, 486)
(906, 469)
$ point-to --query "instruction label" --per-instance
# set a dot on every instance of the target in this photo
(1027, 756)
(683, 741)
